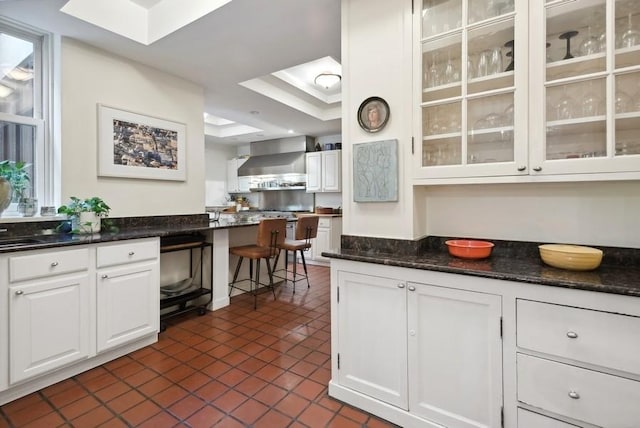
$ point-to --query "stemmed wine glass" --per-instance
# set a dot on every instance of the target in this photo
(434, 74)
(567, 36)
(630, 37)
(565, 106)
(591, 102)
(590, 45)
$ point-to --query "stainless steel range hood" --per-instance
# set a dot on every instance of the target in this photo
(277, 164)
(277, 157)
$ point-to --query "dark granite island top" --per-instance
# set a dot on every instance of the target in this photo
(619, 272)
(113, 229)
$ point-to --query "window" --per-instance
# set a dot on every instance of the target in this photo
(24, 100)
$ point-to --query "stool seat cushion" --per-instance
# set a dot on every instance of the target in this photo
(253, 251)
(294, 245)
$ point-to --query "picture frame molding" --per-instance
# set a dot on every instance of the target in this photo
(107, 168)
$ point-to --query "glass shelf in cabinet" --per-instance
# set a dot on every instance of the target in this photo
(577, 121)
(627, 57)
(441, 136)
(575, 126)
(487, 83)
(577, 66)
(501, 130)
(442, 87)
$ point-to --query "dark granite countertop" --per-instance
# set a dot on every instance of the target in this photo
(116, 230)
(619, 272)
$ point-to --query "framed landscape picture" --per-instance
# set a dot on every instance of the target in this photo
(137, 146)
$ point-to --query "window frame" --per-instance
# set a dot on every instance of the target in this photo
(46, 170)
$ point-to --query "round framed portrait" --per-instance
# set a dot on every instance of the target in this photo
(373, 114)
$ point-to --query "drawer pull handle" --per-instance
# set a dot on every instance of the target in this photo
(54, 264)
(572, 335)
(105, 276)
(522, 168)
(131, 253)
(412, 288)
(19, 293)
(574, 395)
(537, 169)
(401, 285)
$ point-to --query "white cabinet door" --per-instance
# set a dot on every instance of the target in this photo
(232, 176)
(455, 356)
(331, 171)
(49, 325)
(372, 337)
(322, 243)
(314, 172)
(128, 304)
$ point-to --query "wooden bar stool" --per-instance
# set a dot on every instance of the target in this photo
(306, 230)
(271, 234)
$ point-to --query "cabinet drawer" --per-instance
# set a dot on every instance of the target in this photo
(586, 395)
(324, 222)
(127, 252)
(527, 419)
(601, 338)
(50, 263)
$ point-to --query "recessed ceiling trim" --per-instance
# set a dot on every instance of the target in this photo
(229, 130)
(275, 93)
(314, 92)
(134, 21)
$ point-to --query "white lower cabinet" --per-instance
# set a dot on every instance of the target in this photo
(49, 325)
(127, 292)
(527, 419)
(372, 336)
(128, 304)
(433, 352)
(327, 239)
(455, 356)
(70, 309)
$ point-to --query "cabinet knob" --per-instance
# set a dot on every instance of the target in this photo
(131, 253)
(572, 335)
(19, 292)
(105, 276)
(412, 288)
(522, 168)
(54, 264)
(537, 169)
(401, 285)
(574, 395)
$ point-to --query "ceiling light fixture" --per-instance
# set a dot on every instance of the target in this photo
(5, 91)
(21, 74)
(327, 80)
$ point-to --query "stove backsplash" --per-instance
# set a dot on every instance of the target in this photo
(286, 200)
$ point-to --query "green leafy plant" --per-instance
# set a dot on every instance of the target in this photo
(17, 175)
(77, 206)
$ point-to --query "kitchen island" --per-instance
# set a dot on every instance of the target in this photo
(501, 342)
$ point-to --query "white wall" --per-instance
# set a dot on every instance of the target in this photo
(376, 61)
(216, 156)
(591, 213)
(91, 76)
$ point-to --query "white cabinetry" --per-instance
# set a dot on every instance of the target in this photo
(433, 352)
(577, 120)
(48, 316)
(70, 309)
(236, 184)
(372, 349)
(128, 292)
(579, 363)
(327, 239)
(324, 171)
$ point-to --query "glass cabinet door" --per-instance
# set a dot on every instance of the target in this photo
(591, 87)
(468, 88)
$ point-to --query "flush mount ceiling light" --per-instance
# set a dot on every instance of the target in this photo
(327, 80)
(21, 74)
(5, 91)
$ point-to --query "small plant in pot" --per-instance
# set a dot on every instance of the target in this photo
(17, 176)
(85, 214)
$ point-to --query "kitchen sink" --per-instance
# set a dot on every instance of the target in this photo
(17, 243)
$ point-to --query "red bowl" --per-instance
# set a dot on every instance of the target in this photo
(469, 249)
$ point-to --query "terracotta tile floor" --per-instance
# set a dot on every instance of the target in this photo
(234, 367)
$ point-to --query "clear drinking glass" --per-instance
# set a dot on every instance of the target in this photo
(565, 106)
(630, 37)
(624, 103)
(590, 103)
(590, 45)
(482, 68)
(495, 62)
(434, 72)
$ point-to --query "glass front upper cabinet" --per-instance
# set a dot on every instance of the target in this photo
(468, 88)
(592, 86)
(510, 88)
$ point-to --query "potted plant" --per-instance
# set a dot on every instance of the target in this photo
(85, 214)
(16, 174)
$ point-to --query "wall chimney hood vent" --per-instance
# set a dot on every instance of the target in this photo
(277, 157)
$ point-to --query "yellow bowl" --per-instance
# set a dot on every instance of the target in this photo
(572, 257)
